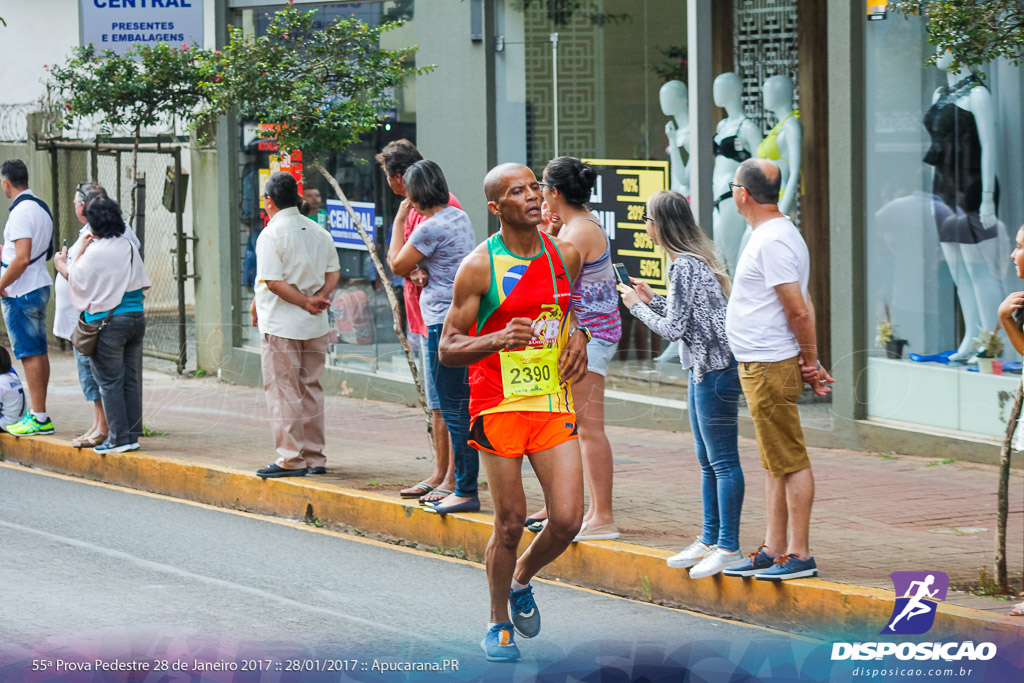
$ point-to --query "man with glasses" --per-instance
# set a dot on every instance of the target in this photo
(25, 289)
(770, 326)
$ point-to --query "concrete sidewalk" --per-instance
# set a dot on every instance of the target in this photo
(873, 513)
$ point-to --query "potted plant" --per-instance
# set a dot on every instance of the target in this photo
(988, 346)
(886, 337)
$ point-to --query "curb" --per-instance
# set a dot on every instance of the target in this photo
(811, 606)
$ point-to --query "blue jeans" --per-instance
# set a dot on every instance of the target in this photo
(117, 367)
(452, 386)
(90, 389)
(25, 317)
(713, 407)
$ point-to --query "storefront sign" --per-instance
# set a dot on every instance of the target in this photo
(118, 24)
(619, 199)
(343, 231)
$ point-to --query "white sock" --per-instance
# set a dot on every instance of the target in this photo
(491, 624)
(41, 417)
(516, 586)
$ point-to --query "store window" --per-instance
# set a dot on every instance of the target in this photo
(943, 149)
(361, 324)
(605, 105)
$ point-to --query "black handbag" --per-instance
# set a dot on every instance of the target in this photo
(86, 335)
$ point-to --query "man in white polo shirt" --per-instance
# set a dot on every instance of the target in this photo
(297, 270)
(25, 290)
(770, 325)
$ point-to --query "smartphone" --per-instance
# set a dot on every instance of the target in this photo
(622, 274)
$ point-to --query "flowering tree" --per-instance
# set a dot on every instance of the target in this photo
(320, 88)
(136, 89)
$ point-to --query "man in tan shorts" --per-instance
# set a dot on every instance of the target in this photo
(770, 325)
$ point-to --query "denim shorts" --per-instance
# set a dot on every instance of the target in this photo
(433, 400)
(25, 317)
(599, 354)
(90, 389)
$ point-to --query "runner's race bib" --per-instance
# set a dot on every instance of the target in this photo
(531, 372)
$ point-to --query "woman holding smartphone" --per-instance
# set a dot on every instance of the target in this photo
(694, 313)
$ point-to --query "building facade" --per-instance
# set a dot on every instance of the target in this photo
(895, 184)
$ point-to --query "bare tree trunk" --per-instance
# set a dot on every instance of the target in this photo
(384, 278)
(135, 172)
(1003, 496)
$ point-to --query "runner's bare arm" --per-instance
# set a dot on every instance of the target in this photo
(456, 347)
(572, 363)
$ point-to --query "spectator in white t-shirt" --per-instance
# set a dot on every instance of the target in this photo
(25, 289)
(12, 394)
(65, 317)
(770, 326)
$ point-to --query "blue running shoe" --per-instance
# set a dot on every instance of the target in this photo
(789, 567)
(525, 615)
(756, 562)
(499, 645)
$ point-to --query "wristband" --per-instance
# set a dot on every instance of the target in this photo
(586, 332)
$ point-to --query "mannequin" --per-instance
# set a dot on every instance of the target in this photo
(782, 144)
(963, 151)
(675, 103)
(735, 140)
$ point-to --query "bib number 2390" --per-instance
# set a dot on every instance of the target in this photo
(532, 372)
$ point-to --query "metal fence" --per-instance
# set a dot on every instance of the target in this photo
(159, 220)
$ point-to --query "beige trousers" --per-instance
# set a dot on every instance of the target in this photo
(291, 378)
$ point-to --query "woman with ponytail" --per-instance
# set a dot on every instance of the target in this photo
(694, 313)
(567, 185)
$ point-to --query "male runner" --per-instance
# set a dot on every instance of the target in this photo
(511, 321)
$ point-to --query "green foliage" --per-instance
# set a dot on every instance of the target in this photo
(974, 31)
(136, 89)
(674, 68)
(146, 431)
(322, 87)
(644, 589)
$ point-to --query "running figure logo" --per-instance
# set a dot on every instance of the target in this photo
(917, 596)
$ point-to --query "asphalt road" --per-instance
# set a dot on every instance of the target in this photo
(94, 572)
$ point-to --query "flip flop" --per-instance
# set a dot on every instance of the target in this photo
(444, 493)
(416, 491)
(91, 442)
(606, 532)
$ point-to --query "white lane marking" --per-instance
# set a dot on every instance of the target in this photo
(391, 546)
(219, 583)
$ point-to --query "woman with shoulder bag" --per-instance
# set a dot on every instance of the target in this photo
(105, 282)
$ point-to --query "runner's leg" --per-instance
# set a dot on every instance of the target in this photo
(505, 481)
(560, 471)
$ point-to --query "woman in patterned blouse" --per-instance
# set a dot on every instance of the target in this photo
(694, 313)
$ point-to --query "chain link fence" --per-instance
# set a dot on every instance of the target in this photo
(170, 302)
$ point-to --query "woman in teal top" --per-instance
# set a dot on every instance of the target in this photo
(106, 282)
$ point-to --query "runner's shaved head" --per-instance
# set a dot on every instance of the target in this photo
(496, 180)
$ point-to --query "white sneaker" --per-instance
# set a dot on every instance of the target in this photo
(715, 561)
(690, 556)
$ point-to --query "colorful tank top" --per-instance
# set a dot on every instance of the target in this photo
(535, 287)
(595, 298)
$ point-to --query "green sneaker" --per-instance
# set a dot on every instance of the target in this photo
(30, 426)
